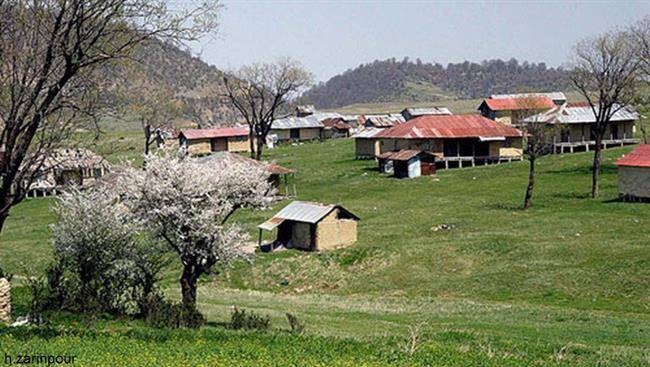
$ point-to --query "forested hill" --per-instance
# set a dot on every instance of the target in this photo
(162, 66)
(415, 81)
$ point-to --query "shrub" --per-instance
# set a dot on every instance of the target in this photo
(103, 261)
(166, 314)
(240, 319)
(296, 326)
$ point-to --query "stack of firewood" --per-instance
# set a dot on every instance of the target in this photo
(5, 301)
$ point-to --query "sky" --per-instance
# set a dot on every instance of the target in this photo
(329, 37)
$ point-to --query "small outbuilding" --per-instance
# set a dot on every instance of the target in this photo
(407, 163)
(312, 226)
(206, 141)
(634, 175)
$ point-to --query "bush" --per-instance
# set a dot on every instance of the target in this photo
(296, 326)
(165, 314)
(103, 262)
(240, 319)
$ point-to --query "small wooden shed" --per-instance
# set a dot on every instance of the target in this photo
(634, 175)
(407, 163)
(312, 226)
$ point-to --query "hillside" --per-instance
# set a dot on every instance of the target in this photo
(414, 81)
(167, 67)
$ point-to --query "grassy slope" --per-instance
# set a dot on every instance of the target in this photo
(572, 272)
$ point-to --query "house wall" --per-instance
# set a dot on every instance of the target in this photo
(634, 181)
(365, 148)
(301, 235)
(434, 146)
(578, 132)
(305, 134)
(310, 133)
(333, 233)
(239, 144)
(199, 146)
(512, 147)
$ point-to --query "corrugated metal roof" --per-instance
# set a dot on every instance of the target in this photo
(415, 111)
(575, 113)
(302, 211)
(449, 126)
(311, 121)
(336, 122)
(221, 132)
(639, 157)
(367, 133)
(552, 95)
(514, 104)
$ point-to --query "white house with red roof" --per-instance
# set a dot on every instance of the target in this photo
(634, 174)
(206, 141)
(456, 140)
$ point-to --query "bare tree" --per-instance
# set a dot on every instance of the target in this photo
(539, 130)
(261, 91)
(51, 52)
(605, 72)
(641, 38)
(153, 106)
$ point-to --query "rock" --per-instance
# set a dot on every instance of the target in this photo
(5, 301)
(442, 227)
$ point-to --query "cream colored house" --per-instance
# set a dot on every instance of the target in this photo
(206, 141)
(312, 226)
(634, 175)
(455, 140)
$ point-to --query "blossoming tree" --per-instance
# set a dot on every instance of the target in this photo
(187, 205)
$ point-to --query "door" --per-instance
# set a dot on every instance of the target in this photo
(294, 134)
(614, 129)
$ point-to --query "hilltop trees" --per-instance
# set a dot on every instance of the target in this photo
(606, 69)
(51, 55)
(261, 91)
(186, 205)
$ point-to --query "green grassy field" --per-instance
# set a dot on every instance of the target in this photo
(567, 282)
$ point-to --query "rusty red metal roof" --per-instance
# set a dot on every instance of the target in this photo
(449, 126)
(639, 157)
(221, 132)
(514, 104)
(336, 122)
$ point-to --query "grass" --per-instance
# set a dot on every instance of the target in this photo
(567, 282)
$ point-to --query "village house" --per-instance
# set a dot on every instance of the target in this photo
(413, 112)
(634, 175)
(381, 121)
(407, 163)
(312, 226)
(558, 98)
(578, 120)
(67, 167)
(300, 128)
(336, 127)
(206, 141)
(282, 178)
(365, 144)
(455, 140)
(511, 110)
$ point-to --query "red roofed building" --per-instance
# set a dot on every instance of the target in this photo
(205, 141)
(336, 127)
(466, 138)
(634, 174)
(511, 110)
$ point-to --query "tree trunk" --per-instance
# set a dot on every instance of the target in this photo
(531, 184)
(3, 217)
(188, 286)
(260, 147)
(595, 174)
(251, 141)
